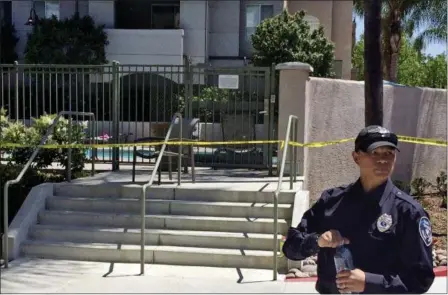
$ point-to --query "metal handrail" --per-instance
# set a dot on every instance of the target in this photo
(151, 181)
(28, 164)
(292, 179)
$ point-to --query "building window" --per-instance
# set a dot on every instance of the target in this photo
(144, 14)
(47, 9)
(313, 22)
(255, 14)
(165, 16)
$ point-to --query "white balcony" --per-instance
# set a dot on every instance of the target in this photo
(145, 47)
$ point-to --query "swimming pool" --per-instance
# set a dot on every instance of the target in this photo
(202, 154)
(105, 154)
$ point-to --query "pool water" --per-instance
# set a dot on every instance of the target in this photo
(126, 154)
(202, 155)
(106, 154)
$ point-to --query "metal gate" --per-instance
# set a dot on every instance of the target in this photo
(134, 101)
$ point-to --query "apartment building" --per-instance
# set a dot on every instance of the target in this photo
(209, 31)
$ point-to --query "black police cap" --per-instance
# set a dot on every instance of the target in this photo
(374, 136)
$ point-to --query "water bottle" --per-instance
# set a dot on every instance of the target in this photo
(343, 259)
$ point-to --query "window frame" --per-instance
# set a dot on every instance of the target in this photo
(45, 2)
(168, 4)
(259, 20)
(121, 23)
(245, 42)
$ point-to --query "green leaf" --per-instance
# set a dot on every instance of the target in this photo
(287, 38)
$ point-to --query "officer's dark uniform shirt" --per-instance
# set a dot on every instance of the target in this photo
(389, 233)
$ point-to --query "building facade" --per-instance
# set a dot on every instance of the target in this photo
(164, 31)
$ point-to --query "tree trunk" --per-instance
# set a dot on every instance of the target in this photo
(394, 42)
(393, 69)
(373, 74)
(386, 50)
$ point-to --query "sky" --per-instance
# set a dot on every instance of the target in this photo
(432, 49)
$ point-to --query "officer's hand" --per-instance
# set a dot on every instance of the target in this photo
(351, 281)
(331, 239)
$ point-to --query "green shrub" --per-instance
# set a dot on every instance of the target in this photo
(286, 38)
(76, 40)
(441, 184)
(18, 133)
(441, 187)
(419, 187)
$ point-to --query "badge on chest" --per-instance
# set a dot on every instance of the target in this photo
(384, 222)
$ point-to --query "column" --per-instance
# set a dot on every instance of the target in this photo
(292, 101)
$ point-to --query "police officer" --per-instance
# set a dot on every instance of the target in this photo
(387, 231)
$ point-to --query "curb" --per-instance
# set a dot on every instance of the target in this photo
(440, 271)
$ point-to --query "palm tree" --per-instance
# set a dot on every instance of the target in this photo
(400, 16)
(435, 19)
(373, 86)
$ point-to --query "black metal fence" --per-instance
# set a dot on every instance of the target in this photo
(134, 101)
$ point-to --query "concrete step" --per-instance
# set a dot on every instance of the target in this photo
(174, 222)
(174, 207)
(210, 194)
(164, 237)
(153, 254)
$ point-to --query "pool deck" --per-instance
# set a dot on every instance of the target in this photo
(227, 179)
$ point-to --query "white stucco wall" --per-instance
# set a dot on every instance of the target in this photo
(336, 111)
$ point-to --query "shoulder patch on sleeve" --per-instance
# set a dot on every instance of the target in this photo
(425, 230)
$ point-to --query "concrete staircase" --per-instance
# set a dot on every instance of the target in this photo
(197, 227)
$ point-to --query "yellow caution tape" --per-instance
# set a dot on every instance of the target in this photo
(425, 141)
(321, 143)
(408, 139)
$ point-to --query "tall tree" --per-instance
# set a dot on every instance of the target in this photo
(286, 37)
(414, 68)
(373, 85)
(434, 18)
(400, 16)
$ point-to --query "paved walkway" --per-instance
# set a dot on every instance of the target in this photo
(59, 276)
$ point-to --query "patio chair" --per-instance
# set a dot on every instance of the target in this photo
(244, 154)
(189, 133)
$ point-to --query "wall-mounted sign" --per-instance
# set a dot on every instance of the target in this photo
(228, 81)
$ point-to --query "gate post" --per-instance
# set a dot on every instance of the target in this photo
(188, 86)
(115, 115)
(292, 101)
(16, 70)
(272, 134)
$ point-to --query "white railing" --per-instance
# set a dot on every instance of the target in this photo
(291, 130)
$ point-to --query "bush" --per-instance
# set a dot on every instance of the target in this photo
(286, 38)
(441, 187)
(419, 187)
(18, 133)
(70, 41)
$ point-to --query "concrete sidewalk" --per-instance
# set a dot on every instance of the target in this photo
(59, 276)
